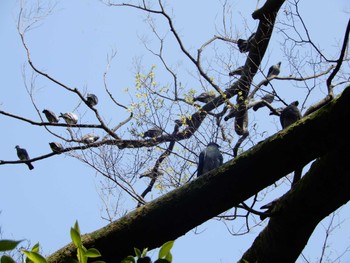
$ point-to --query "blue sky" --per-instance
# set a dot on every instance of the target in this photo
(72, 45)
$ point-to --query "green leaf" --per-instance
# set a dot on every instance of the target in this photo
(8, 244)
(34, 256)
(169, 257)
(81, 254)
(75, 236)
(98, 261)
(137, 252)
(165, 249)
(35, 248)
(6, 259)
(76, 227)
(92, 253)
(128, 259)
(144, 252)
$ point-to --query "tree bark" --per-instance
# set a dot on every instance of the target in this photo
(295, 215)
(167, 217)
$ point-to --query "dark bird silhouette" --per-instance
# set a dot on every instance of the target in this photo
(237, 71)
(56, 147)
(269, 97)
(273, 72)
(245, 45)
(92, 100)
(153, 132)
(290, 114)
(204, 97)
(232, 113)
(50, 116)
(23, 156)
(70, 118)
(209, 159)
(89, 138)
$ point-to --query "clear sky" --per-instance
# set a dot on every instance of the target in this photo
(72, 45)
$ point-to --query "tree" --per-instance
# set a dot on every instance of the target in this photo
(168, 159)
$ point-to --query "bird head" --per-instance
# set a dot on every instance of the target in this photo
(213, 144)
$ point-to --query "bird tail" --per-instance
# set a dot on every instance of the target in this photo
(30, 166)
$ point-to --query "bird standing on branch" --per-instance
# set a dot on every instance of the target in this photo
(70, 118)
(23, 156)
(56, 147)
(153, 132)
(237, 71)
(92, 100)
(204, 97)
(273, 72)
(245, 45)
(269, 97)
(290, 114)
(89, 138)
(209, 159)
(50, 116)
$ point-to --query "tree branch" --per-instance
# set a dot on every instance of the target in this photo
(167, 218)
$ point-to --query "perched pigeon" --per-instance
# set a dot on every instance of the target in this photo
(92, 100)
(56, 147)
(50, 116)
(204, 97)
(273, 71)
(269, 97)
(89, 138)
(232, 113)
(290, 114)
(237, 71)
(70, 118)
(23, 156)
(209, 159)
(245, 45)
(153, 132)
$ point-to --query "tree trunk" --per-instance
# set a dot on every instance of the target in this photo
(294, 217)
(167, 217)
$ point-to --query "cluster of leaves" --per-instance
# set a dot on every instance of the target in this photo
(83, 254)
(33, 256)
(164, 255)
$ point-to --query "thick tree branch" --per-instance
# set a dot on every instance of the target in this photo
(322, 190)
(166, 218)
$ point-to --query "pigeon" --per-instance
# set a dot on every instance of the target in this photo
(237, 71)
(273, 72)
(56, 147)
(89, 138)
(70, 118)
(209, 159)
(153, 132)
(23, 156)
(245, 45)
(269, 97)
(231, 114)
(290, 114)
(50, 116)
(204, 97)
(92, 100)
